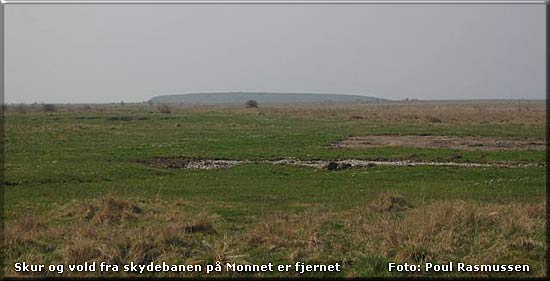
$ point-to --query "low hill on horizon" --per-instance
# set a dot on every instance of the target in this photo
(262, 98)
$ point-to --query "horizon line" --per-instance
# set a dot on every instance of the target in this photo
(275, 2)
(382, 99)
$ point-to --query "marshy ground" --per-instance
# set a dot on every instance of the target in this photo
(126, 183)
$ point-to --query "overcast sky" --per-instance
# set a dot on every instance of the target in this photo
(112, 53)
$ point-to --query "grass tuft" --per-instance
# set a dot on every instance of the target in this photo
(390, 202)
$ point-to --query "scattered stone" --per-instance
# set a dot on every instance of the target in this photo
(189, 163)
(335, 166)
(180, 162)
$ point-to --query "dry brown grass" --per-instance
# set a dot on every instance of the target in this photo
(422, 112)
(112, 230)
(111, 210)
(222, 250)
(390, 202)
(142, 231)
(457, 231)
(394, 228)
(298, 235)
(461, 112)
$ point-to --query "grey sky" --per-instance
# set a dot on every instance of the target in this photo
(110, 53)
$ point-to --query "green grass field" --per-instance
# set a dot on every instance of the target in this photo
(74, 192)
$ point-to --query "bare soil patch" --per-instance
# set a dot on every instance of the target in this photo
(465, 143)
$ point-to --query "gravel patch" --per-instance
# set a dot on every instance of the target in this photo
(209, 164)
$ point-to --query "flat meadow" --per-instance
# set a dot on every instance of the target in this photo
(80, 186)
